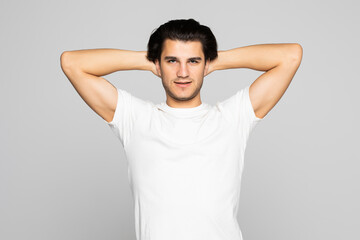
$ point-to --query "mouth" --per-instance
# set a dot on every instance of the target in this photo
(183, 84)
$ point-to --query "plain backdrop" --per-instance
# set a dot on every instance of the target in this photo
(63, 173)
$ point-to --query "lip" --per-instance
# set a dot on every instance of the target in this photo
(182, 84)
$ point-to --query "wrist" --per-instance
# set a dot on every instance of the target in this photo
(146, 64)
(218, 63)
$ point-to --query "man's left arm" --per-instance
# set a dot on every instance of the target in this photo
(280, 63)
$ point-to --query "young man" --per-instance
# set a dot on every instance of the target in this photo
(185, 157)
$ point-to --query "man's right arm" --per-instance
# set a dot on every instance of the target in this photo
(85, 68)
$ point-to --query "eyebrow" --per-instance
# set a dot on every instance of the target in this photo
(175, 58)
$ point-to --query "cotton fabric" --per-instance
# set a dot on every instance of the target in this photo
(185, 165)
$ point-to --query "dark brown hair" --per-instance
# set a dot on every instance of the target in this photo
(183, 30)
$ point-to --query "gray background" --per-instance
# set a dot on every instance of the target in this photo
(63, 173)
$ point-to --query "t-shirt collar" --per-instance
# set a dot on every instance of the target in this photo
(184, 112)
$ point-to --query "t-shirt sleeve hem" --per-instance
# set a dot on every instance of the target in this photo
(116, 116)
(250, 107)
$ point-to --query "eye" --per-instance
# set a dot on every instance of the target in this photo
(193, 61)
(171, 60)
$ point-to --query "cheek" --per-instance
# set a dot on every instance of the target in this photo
(200, 72)
(168, 72)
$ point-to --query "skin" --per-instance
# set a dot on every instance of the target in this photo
(182, 61)
(85, 68)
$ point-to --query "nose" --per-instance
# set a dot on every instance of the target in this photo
(183, 71)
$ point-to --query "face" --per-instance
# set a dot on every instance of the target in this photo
(182, 62)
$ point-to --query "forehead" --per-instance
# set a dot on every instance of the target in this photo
(182, 49)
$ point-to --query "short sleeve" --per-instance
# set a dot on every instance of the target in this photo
(122, 122)
(239, 110)
(129, 108)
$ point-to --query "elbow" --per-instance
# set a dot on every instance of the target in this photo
(293, 54)
(297, 52)
(66, 61)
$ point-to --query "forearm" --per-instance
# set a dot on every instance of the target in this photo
(100, 62)
(262, 57)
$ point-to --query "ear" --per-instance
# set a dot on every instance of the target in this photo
(158, 69)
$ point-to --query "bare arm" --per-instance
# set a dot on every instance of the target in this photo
(100, 62)
(84, 69)
(280, 61)
(262, 57)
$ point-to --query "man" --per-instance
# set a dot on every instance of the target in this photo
(185, 158)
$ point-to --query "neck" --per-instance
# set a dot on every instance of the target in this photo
(195, 102)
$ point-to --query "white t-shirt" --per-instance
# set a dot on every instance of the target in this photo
(185, 165)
